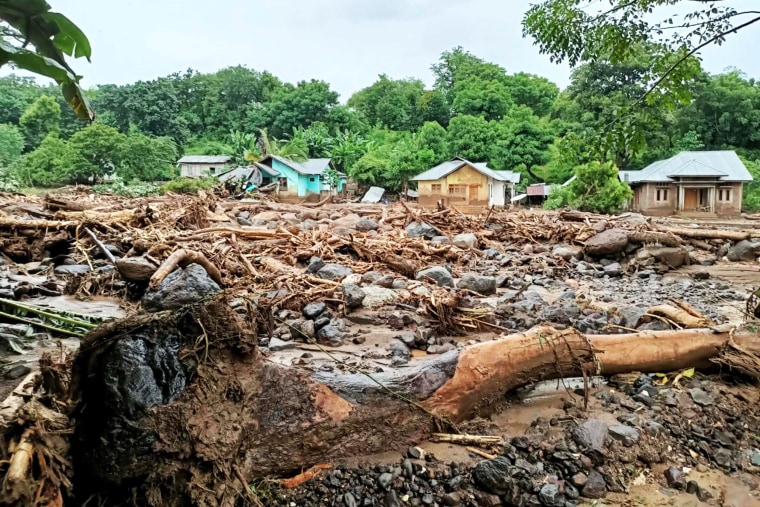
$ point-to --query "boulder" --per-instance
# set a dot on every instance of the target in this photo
(268, 216)
(314, 310)
(613, 270)
(625, 434)
(375, 296)
(366, 224)
(315, 264)
(353, 295)
(566, 252)
(608, 242)
(439, 274)
(591, 434)
(182, 287)
(334, 272)
(595, 487)
(72, 269)
(485, 285)
(671, 257)
(422, 230)
(136, 269)
(348, 221)
(744, 251)
(244, 222)
(495, 476)
(465, 241)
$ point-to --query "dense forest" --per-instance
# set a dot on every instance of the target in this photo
(383, 134)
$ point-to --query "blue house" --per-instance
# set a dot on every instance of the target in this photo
(301, 179)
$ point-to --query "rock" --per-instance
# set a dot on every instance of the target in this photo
(722, 457)
(422, 230)
(566, 252)
(670, 256)
(275, 345)
(348, 221)
(308, 329)
(313, 310)
(384, 481)
(136, 269)
(72, 269)
(182, 287)
(334, 272)
(632, 314)
(595, 486)
(465, 241)
(744, 251)
(634, 219)
(244, 222)
(330, 335)
(609, 242)
(353, 295)
(315, 264)
(440, 240)
(591, 434)
(452, 499)
(439, 274)
(754, 458)
(700, 397)
(579, 480)
(377, 296)
(349, 500)
(370, 277)
(625, 434)
(399, 351)
(674, 478)
(494, 476)
(613, 270)
(268, 216)
(562, 312)
(485, 285)
(16, 372)
(549, 495)
(366, 224)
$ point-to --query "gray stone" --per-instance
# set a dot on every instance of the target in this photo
(314, 310)
(353, 295)
(673, 257)
(244, 214)
(408, 339)
(399, 350)
(609, 242)
(275, 344)
(377, 296)
(495, 476)
(366, 224)
(182, 287)
(439, 274)
(562, 312)
(566, 252)
(16, 372)
(625, 434)
(330, 335)
(370, 277)
(334, 272)
(136, 269)
(422, 230)
(349, 500)
(591, 434)
(595, 487)
(632, 314)
(613, 270)
(244, 222)
(549, 495)
(700, 397)
(466, 240)
(485, 285)
(72, 269)
(315, 264)
(308, 329)
(385, 480)
(440, 240)
(674, 478)
(744, 251)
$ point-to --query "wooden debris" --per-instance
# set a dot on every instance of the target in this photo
(182, 258)
(303, 477)
(467, 439)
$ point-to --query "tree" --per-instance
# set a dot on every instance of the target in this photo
(432, 136)
(596, 188)
(144, 158)
(45, 165)
(478, 97)
(93, 152)
(536, 92)
(435, 108)
(16, 94)
(394, 104)
(521, 142)
(39, 120)
(470, 137)
(36, 39)
(346, 148)
(459, 65)
(11, 144)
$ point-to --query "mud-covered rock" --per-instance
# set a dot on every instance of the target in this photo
(439, 274)
(466, 240)
(422, 230)
(334, 272)
(485, 285)
(608, 242)
(495, 476)
(744, 251)
(182, 287)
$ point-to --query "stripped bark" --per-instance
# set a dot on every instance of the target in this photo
(182, 258)
(704, 233)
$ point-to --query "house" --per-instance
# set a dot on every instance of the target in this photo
(692, 182)
(198, 166)
(462, 182)
(300, 179)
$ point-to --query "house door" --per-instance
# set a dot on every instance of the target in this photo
(690, 199)
(472, 194)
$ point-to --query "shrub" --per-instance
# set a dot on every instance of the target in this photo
(135, 188)
(188, 185)
(596, 188)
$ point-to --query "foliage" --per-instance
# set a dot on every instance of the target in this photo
(144, 158)
(16, 94)
(43, 167)
(41, 118)
(93, 152)
(470, 137)
(11, 144)
(205, 146)
(521, 141)
(331, 177)
(188, 185)
(394, 104)
(8, 181)
(596, 188)
(43, 39)
(118, 186)
(432, 136)
(751, 197)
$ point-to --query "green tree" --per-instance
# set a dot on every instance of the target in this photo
(432, 136)
(39, 120)
(16, 94)
(536, 92)
(345, 149)
(459, 65)
(478, 97)
(690, 141)
(471, 137)
(596, 188)
(145, 158)
(394, 104)
(751, 197)
(11, 144)
(93, 153)
(36, 39)
(434, 107)
(522, 142)
(45, 166)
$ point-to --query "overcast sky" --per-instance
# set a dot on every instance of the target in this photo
(344, 42)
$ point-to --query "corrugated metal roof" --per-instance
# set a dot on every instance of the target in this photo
(374, 194)
(204, 159)
(448, 167)
(313, 166)
(267, 170)
(724, 165)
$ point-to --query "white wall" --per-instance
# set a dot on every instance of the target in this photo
(497, 193)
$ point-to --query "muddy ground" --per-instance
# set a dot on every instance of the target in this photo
(351, 288)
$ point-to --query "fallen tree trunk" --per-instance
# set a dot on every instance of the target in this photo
(270, 419)
(705, 233)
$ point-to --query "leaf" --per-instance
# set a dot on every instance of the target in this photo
(15, 346)
(688, 373)
(70, 39)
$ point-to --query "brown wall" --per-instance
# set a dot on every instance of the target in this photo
(647, 200)
(733, 208)
(464, 176)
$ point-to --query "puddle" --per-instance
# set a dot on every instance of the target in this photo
(103, 308)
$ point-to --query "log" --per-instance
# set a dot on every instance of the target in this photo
(665, 239)
(270, 419)
(182, 258)
(705, 233)
(20, 461)
(466, 439)
(681, 316)
(101, 246)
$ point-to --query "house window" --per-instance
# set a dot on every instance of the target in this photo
(458, 190)
(283, 183)
(662, 195)
(212, 170)
(435, 188)
(311, 179)
(724, 195)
